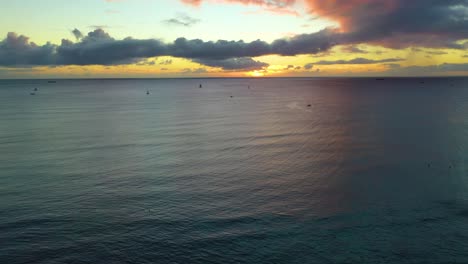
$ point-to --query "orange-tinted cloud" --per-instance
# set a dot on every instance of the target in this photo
(397, 23)
(350, 13)
(282, 7)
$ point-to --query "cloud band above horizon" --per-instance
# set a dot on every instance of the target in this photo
(389, 23)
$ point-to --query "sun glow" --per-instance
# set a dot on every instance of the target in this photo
(256, 73)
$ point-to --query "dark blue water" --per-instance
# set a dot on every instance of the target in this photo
(96, 171)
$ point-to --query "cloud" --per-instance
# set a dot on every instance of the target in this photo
(99, 48)
(182, 20)
(270, 3)
(166, 62)
(198, 70)
(17, 50)
(356, 61)
(78, 35)
(281, 7)
(390, 23)
(244, 63)
(431, 70)
(398, 23)
(146, 63)
(99, 26)
(353, 49)
(436, 52)
(392, 65)
(274, 10)
(308, 66)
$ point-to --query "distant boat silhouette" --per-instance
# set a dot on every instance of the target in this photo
(200, 86)
(147, 92)
(52, 81)
(35, 89)
(380, 79)
(32, 93)
(232, 96)
(309, 105)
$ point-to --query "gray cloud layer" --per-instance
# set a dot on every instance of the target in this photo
(356, 61)
(99, 48)
(421, 23)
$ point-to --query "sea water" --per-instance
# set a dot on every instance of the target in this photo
(300, 170)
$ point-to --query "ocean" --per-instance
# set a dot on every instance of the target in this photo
(280, 170)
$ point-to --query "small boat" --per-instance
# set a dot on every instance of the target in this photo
(309, 105)
(32, 93)
(232, 96)
(200, 86)
(147, 92)
(35, 89)
(52, 81)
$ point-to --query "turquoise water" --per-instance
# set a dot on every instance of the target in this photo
(96, 171)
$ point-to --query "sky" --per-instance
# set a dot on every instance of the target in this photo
(232, 38)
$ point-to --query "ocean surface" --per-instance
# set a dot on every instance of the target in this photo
(97, 171)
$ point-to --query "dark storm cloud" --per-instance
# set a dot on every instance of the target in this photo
(356, 61)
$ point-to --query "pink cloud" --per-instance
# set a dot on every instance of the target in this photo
(266, 3)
